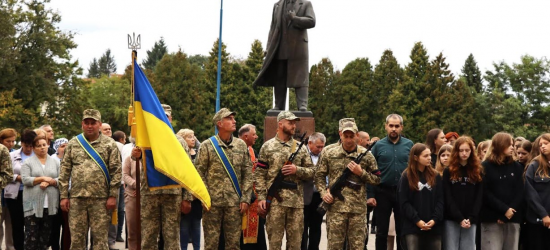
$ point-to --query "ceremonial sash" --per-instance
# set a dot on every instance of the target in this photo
(101, 164)
(251, 218)
(95, 156)
(226, 164)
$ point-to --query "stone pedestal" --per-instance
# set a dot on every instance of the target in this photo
(306, 123)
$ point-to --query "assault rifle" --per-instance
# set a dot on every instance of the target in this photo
(279, 182)
(342, 181)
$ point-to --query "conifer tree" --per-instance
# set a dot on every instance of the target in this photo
(155, 54)
(472, 75)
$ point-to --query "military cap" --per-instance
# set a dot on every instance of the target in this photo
(222, 113)
(91, 113)
(349, 126)
(342, 121)
(287, 115)
(167, 109)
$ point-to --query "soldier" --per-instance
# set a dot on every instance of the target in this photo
(338, 143)
(346, 219)
(223, 162)
(288, 214)
(160, 209)
(95, 181)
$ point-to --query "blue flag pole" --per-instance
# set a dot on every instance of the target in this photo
(219, 63)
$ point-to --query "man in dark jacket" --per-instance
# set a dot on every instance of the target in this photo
(286, 63)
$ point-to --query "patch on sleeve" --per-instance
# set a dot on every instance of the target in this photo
(263, 164)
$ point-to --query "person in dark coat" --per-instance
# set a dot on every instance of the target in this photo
(286, 63)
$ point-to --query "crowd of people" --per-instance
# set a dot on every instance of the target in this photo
(446, 193)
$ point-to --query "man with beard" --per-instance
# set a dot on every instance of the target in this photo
(287, 214)
(392, 155)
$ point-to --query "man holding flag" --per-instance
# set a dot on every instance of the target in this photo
(160, 207)
(224, 165)
(92, 163)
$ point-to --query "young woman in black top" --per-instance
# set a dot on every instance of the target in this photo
(500, 214)
(537, 189)
(434, 140)
(463, 196)
(523, 153)
(420, 197)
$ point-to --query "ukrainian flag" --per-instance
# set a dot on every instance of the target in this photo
(166, 163)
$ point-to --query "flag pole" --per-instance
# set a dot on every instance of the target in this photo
(219, 63)
(135, 44)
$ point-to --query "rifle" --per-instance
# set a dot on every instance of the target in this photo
(279, 182)
(342, 181)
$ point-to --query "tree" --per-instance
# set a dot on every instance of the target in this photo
(111, 96)
(409, 94)
(35, 57)
(322, 85)
(155, 54)
(107, 64)
(93, 70)
(472, 75)
(387, 76)
(199, 60)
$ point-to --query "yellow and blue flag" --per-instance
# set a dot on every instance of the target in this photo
(166, 164)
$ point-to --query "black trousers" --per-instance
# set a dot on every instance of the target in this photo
(386, 202)
(55, 234)
(537, 237)
(312, 224)
(15, 206)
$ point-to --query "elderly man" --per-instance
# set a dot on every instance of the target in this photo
(106, 130)
(92, 163)
(312, 198)
(223, 162)
(286, 215)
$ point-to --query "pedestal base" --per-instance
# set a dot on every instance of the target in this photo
(306, 123)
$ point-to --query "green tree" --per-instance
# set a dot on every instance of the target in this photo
(93, 70)
(199, 60)
(155, 54)
(409, 94)
(111, 96)
(323, 78)
(472, 75)
(35, 56)
(106, 63)
(387, 76)
(461, 112)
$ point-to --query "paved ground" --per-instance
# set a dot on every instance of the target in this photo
(323, 245)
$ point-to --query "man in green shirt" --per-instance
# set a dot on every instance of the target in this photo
(392, 155)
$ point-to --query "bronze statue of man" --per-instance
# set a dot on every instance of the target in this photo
(287, 60)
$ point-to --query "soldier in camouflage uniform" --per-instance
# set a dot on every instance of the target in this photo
(227, 207)
(90, 199)
(339, 130)
(289, 213)
(6, 170)
(346, 219)
(162, 207)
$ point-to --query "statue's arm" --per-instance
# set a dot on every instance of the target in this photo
(307, 21)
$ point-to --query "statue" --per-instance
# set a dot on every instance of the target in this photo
(286, 63)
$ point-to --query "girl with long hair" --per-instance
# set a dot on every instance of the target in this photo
(523, 153)
(443, 158)
(420, 197)
(535, 149)
(482, 148)
(500, 214)
(537, 189)
(462, 185)
(435, 139)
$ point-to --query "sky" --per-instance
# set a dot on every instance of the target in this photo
(492, 31)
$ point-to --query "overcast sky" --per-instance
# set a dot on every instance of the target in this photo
(346, 29)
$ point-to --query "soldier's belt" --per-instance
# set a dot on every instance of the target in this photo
(288, 185)
(353, 185)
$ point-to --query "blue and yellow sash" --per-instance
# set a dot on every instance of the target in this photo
(226, 164)
(95, 156)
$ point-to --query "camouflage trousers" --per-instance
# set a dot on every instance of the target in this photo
(342, 226)
(280, 219)
(212, 221)
(156, 211)
(92, 212)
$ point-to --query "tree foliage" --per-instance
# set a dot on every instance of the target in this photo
(155, 54)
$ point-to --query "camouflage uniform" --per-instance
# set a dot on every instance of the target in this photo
(225, 200)
(161, 207)
(6, 170)
(289, 213)
(346, 219)
(89, 188)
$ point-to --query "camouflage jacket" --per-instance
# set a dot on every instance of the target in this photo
(87, 177)
(274, 153)
(144, 190)
(6, 170)
(332, 163)
(215, 177)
